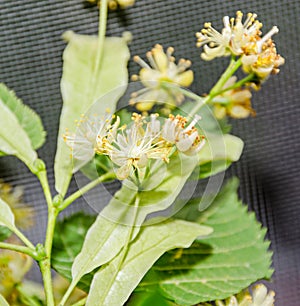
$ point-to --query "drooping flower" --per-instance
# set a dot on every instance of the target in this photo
(264, 60)
(186, 139)
(235, 103)
(235, 37)
(160, 71)
(133, 147)
(92, 134)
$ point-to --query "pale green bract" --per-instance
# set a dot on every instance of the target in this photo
(3, 301)
(14, 139)
(225, 147)
(119, 278)
(81, 87)
(107, 235)
(218, 153)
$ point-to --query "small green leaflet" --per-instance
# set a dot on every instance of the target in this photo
(81, 88)
(7, 218)
(223, 264)
(13, 138)
(114, 282)
(27, 118)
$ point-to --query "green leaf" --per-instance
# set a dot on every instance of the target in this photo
(27, 118)
(107, 235)
(221, 265)
(4, 233)
(148, 299)
(119, 277)
(13, 138)
(3, 301)
(218, 153)
(67, 243)
(81, 88)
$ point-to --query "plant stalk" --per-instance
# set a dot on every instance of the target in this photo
(217, 89)
(19, 248)
(86, 188)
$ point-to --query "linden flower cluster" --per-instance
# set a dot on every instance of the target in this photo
(258, 53)
(131, 148)
(155, 76)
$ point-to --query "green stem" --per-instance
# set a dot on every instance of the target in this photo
(23, 238)
(199, 105)
(101, 33)
(45, 263)
(240, 83)
(45, 267)
(231, 69)
(100, 45)
(86, 188)
(20, 249)
(42, 176)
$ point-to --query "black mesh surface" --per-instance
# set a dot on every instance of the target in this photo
(30, 63)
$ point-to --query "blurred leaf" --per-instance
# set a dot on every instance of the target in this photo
(81, 88)
(4, 233)
(148, 299)
(67, 243)
(27, 118)
(6, 216)
(223, 264)
(14, 139)
(119, 277)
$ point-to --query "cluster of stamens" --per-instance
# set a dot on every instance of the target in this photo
(161, 78)
(132, 147)
(259, 55)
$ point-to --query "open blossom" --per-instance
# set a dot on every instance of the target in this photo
(186, 139)
(259, 55)
(92, 134)
(235, 37)
(161, 69)
(263, 63)
(134, 146)
(235, 103)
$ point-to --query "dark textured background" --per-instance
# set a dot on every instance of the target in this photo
(30, 63)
